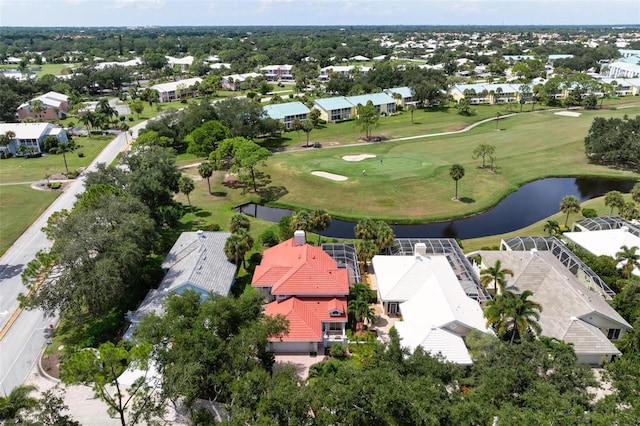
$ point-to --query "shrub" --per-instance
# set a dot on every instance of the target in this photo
(130, 118)
(338, 351)
(54, 185)
(81, 154)
(587, 212)
(269, 238)
(73, 174)
(211, 227)
(284, 226)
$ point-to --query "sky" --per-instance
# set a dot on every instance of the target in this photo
(119, 13)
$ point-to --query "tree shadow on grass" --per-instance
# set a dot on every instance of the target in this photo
(201, 213)
(219, 193)
(467, 200)
(272, 193)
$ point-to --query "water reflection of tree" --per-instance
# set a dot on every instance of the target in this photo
(595, 187)
(450, 230)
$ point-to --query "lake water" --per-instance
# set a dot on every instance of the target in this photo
(529, 204)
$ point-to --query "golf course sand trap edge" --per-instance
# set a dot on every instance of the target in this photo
(327, 175)
(358, 157)
(568, 113)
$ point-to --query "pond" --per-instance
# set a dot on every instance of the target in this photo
(529, 204)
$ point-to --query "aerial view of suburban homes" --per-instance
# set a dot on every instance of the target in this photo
(338, 222)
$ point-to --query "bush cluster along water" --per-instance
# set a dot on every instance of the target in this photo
(529, 204)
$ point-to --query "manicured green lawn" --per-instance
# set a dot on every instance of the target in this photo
(20, 205)
(413, 183)
(33, 169)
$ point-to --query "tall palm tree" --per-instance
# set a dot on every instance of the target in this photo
(13, 406)
(456, 172)
(320, 220)
(64, 148)
(358, 305)
(186, 186)
(569, 204)
(552, 227)
(206, 171)
(495, 274)
(365, 250)
(412, 109)
(614, 199)
(384, 235)
(630, 257)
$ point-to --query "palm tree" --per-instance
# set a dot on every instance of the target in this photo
(239, 221)
(456, 172)
(635, 192)
(630, 257)
(614, 199)
(365, 229)
(358, 305)
(237, 246)
(412, 108)
(301, 221)
(495, 274)
(384, 235)
(320, 220)
(87, 118)
(365, 250)
(206, 171)
(552, 227)
(629, 211)
(186, 186)
(13, 405)
(37, 107)
(512, 315)
(5, 140)
(63, 148)
(105, 108)
(569, 204)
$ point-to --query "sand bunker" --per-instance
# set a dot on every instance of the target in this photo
(358, 157)
(568, 113)
(326, 175)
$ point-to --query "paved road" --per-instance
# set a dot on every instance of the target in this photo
(23, 341)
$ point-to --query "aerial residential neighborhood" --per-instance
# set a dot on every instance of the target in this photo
(309, 225)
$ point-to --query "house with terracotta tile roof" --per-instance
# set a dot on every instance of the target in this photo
(306, 286)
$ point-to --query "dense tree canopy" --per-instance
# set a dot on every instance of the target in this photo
(614, 141)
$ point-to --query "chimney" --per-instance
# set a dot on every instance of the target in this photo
(421, 249)
(624, 228)
(298, 238)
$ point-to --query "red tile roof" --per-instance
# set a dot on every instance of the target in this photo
(303, 270)
(306, 316)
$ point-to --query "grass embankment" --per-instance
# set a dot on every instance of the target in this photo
(412, 183)
(21, 205)
(537, 229)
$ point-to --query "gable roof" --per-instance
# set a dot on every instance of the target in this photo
(280, 111)
(302, 270)
(588, 339)
(306, 316)
(438, 304)
(329, 104)
(434, 341)
(49, 99)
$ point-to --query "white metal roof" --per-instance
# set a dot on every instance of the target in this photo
(434, 341)
(29, 130)
(605, 242)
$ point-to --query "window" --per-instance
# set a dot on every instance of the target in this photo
(335, 326)
(393, 308)
(613, 334)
